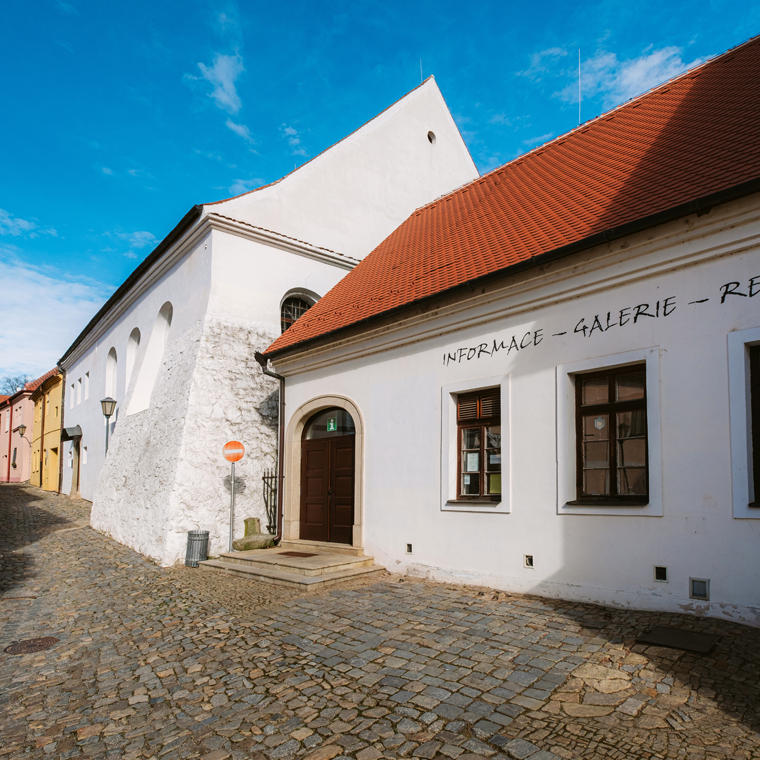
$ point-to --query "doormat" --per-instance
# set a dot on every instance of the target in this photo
(296, 554)
(677, 638)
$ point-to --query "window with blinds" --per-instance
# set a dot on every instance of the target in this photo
(479, 445)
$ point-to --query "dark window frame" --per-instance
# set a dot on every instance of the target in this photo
(754, 419)
(480, 422)
(610, 408)
(293, 302)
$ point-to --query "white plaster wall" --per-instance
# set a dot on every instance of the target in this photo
(187, 287)
(606, 559)
(164, 473)
(351, 197)
(250, 279)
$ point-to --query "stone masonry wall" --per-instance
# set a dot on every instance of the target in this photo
(230, 399)
(137, 479)
(164, 473)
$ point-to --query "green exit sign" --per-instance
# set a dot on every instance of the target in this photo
(332, 424)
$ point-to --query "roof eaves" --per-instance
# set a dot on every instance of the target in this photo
(185, 223)
(698, 205)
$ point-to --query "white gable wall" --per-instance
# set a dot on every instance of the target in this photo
(351, 197)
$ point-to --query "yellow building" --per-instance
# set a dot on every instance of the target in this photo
(46, 437)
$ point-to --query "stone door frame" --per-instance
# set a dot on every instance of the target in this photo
(292, 491)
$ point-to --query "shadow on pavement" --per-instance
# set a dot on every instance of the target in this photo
(23, 522)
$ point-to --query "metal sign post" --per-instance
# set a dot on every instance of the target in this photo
(233, 451)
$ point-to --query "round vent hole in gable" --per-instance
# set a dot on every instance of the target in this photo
(431, 138)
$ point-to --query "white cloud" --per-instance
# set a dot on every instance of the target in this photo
(240, 129)
(294, 140)
(538, 139)
(616, 81)
(137, 239)
(541, 63)
(240, 186)
(40, 335)
(67, 8)
(107, 171)
(13, 225)
(222, 75)
(500, 118)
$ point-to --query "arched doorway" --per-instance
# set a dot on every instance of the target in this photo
(328, 457)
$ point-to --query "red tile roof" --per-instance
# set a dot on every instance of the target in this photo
(3, 398)
(693, 137)
(34, 384)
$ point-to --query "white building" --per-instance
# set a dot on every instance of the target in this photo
(175, 344)
(545, 377)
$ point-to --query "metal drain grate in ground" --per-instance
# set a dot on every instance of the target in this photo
(296, 554)
(27, 646)
(677, 638)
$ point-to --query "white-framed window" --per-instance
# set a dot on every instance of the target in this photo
(84, 454)
(453, 457)
(568, 375)
(79, 391)
(745, 488)
(7, 420)
(86, 385)
(71, 397)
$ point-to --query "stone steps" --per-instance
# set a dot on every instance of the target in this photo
(274, 566)
(301, 545)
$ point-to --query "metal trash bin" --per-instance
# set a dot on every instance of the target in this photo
(197, 547)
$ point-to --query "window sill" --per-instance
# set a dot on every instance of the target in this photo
(481, 502)
(754, 505)
(609, 503)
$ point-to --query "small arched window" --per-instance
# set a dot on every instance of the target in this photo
(111, 376)
(152, 359)
(132, 345)
(293, 307)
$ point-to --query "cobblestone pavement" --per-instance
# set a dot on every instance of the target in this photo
(180, 663)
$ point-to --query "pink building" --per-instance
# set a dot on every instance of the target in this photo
(16, 450)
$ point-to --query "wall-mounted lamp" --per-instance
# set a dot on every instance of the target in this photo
(21, 429)
(108, 405)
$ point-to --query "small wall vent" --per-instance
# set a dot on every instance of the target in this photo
(699, 588)
(431, 138)
(408, 548)
(528, 560)
(661, 574)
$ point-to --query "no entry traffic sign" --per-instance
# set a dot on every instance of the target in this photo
(233, 451)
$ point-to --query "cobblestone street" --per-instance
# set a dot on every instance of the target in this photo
(180, 663)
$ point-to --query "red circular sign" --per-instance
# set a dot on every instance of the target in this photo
(233, 451)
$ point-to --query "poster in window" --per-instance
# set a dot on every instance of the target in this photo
(472, 461)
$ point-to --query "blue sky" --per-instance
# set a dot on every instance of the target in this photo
(119, 117)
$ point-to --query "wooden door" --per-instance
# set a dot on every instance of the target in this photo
(341, 492)
(327, 489)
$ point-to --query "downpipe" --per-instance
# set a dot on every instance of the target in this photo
(262, 360)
